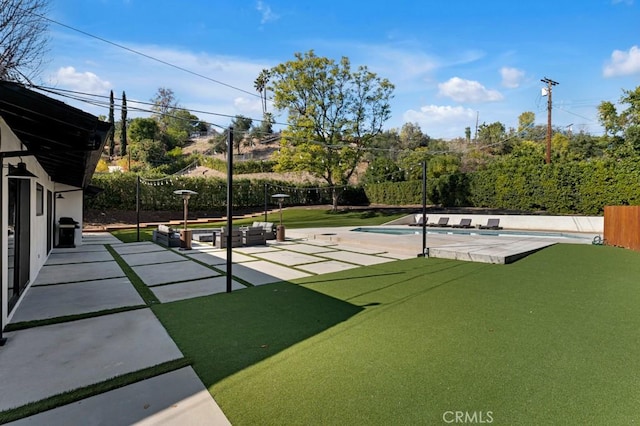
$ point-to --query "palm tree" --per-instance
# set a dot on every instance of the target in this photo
(260, 85)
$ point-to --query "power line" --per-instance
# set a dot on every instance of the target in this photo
(153, 58)
(70, 94)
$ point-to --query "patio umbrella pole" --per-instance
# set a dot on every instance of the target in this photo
(138, 208)
(425, 250)
(229, 205)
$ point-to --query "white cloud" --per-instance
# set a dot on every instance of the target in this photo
(467, 91)
(141, 77)
(441, 120)
(623, 63)
(251, 107)
(88, 82)
(511, 77)
(266, 12)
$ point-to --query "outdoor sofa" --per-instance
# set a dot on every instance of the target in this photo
(253, 235)
(269, 229)
(166, 236)
(220, 238)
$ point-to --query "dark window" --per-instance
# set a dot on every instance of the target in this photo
(39, 200)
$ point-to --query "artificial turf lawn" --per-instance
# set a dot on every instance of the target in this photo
(551, 339)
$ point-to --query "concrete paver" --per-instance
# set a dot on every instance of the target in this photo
(327, 267)
(186, 270)
(89, 238)
(56, 274)
(309, 248)
(44, 361)
(195, 288)
(176, 398)
(361, 250)
(78, 257)
(53, 301)
(219, 257)
(144, 247)
(256, 249)
(357, 258)
(82, 249)
(150, 258)
(289, 258)
(262, 272)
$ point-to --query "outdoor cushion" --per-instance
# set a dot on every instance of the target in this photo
(165, 229)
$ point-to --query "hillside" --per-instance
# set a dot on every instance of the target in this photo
(257, 152)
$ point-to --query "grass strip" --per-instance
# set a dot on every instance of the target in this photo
(68, 318)
(88, 391)
(142, 289)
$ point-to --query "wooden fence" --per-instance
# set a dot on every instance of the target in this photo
(622, 226)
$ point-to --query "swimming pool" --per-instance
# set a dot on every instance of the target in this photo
(488, 232)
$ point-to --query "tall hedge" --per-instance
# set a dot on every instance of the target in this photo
(578, 187)
(119, 192)
(581, 187)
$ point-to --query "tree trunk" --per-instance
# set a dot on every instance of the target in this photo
(335, 195)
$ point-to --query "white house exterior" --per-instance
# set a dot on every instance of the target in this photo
(60, 145)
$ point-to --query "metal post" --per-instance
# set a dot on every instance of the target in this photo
(138, 208)
(185, 208)
(229, 205)
(425, 250)
(265, 202)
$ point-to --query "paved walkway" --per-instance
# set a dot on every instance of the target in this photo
(114, 332)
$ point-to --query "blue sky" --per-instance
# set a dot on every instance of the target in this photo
(451, 61)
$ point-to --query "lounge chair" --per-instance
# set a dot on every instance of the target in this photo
(464, 223)
(443, 222)
(491, 224)
(418, 221)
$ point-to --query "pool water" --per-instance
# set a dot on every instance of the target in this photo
(488, 232)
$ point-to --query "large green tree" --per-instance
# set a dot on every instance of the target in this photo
(164, 103)
(143, 128)
(624, 126)
(334, 112)
(411, 136)
(491, 137)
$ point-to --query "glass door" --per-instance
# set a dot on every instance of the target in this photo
(19, 238)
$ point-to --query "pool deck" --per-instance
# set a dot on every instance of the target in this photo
(499, 249)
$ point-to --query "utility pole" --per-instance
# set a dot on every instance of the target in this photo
(550, 84)
(475, 137)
